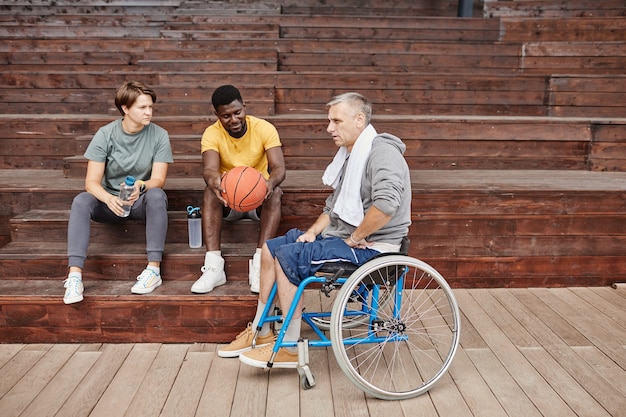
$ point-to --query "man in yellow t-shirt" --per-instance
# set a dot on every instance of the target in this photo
(237, 139)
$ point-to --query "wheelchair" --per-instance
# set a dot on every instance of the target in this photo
(393, 324)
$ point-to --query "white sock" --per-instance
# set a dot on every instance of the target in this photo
(258, 250)
(78, 275)
(156, 269)
(293, 333)
(265, 329)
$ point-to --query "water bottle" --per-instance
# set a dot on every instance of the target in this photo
(194, 225)
(126, 189)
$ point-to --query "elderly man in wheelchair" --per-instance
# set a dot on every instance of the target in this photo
(367, 214)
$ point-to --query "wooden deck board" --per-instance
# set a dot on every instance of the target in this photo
(577, 398)
(188, 386)
(59, 389)
(158, 381)
(591, 324)
(528, 378)
(478, 395)
(605, 366)
(17, 367)
(530, 352)
(30, 386)
(128, 377)
(219, 387)
(502, 384)
(95, 383)
(539, 325)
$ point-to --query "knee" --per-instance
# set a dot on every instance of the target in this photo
(276, 198)
(83, 201)
(265, 251)
(156, 198)
(211, 202)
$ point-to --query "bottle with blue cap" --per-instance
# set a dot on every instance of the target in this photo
(126, 189)
(194, 226)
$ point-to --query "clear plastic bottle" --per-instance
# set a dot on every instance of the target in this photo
(194, 226)
(126, 189)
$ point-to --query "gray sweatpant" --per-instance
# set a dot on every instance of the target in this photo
(150, 208)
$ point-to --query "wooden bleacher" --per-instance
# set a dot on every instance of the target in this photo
(514, 124)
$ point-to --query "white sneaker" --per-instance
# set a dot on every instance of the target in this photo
(147, 281)
(73, 290)
(254, 273)
(213, 274)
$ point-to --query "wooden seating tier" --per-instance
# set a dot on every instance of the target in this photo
(514, 125)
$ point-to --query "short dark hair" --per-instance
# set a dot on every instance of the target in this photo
(224, 95)
(129, 91)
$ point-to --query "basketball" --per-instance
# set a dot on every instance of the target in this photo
(243, 188)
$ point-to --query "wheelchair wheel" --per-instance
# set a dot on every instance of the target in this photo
(405, 345)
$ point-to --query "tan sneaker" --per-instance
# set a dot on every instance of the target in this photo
(259, 357)
(243, 343)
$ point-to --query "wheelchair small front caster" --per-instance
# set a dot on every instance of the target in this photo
(306, 376)
(306, 384)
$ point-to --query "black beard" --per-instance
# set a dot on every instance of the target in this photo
(237, 135)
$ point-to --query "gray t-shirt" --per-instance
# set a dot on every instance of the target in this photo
(128, 154)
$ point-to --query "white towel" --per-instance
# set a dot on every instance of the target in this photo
(349, 206)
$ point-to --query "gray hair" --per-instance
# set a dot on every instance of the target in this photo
(357, 101)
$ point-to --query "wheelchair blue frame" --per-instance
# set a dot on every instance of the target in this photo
(308, 317)
(394, 325)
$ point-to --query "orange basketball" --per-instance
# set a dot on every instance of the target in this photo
(244, 188)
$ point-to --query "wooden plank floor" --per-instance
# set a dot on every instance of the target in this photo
(524, 352)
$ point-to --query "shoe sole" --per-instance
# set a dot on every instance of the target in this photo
(73, 300)
(217, 284)
(136, 290)
(259, 364)
(236, 353)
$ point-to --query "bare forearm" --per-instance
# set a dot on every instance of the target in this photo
(276, 177)
(98, 191)
(320, 224)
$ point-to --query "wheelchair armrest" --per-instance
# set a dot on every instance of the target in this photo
(331, 268)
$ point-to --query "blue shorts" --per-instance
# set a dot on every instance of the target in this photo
(300, 260)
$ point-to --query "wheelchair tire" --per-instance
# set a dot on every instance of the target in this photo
(405, 345)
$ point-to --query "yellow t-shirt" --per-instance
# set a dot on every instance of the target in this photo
(248, 150)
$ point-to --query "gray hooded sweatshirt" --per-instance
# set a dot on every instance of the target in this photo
(386, 184)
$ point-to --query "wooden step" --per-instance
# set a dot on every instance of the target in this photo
(438, 8)
(503, 118)
(117, 261)
(553, 8)
(589, 29)
(27, 227)
(457, 29)
(33, 312)
(593, 58)
(435, 143)
(482, 227)
(170, 101)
